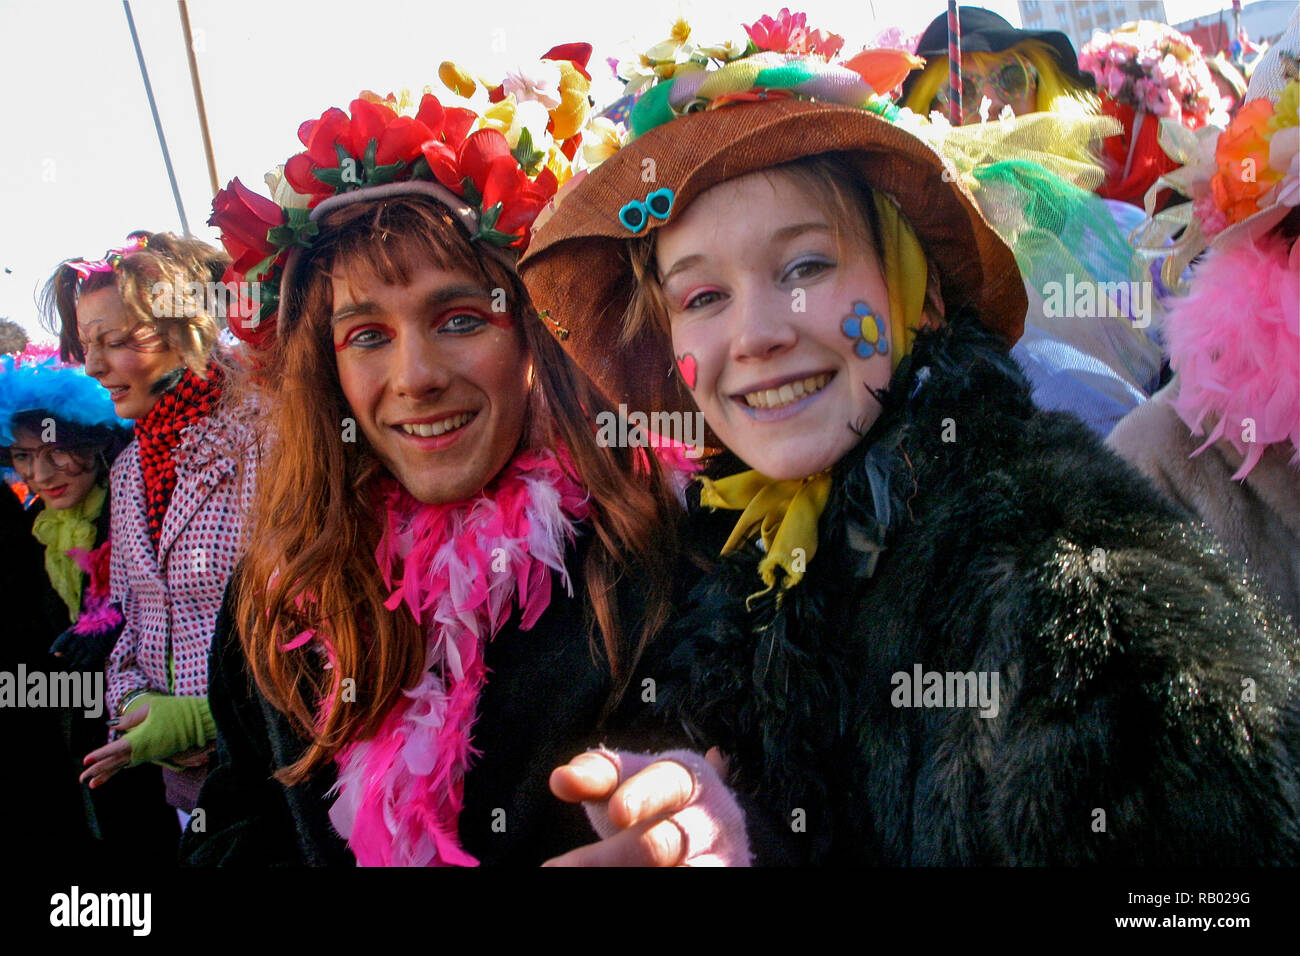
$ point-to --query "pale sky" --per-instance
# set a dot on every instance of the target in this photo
(80, 164)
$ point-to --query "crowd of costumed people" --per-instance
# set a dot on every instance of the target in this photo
(994, 373)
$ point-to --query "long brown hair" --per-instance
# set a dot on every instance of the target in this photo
(310, 562)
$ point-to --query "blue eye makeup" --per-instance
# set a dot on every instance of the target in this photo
(808, 267)
(462, 321)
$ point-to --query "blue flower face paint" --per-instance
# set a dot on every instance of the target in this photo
(868, 331)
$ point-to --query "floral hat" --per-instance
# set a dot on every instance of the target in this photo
(1243, 180)
(492, 154)
(707, 114)
(1152, 67)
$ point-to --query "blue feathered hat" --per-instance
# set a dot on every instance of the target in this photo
(64, 392)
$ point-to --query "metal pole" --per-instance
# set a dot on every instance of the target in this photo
(1240, 56)
(198, 96)
(954, 64)
(157, 123)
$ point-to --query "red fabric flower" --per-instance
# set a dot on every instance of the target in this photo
(319, 136)
(825, 44)
(398, 139)
(244, 219)
(484, 158)
(576, 53)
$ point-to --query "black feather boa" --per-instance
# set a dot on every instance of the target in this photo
(957, 535)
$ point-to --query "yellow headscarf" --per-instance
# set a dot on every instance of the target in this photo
(784, 514)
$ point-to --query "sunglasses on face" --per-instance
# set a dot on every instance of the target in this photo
(1007, 82)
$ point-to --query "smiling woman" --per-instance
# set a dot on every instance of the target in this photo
(58, 430)
(145, 320)
(896, 506)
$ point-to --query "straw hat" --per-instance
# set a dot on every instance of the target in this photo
(578, 272)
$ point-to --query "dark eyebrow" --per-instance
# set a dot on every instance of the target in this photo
(432, 301)
(798, 229)
(784, 234)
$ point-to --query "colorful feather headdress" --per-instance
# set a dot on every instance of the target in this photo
(35, 381)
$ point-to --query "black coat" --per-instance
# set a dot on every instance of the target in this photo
(1147, 692)
(541, 705)
(64, 819)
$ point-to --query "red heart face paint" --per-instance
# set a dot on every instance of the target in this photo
(686, 367)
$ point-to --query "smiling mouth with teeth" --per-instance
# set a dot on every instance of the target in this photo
(433, 429)
(788, 393)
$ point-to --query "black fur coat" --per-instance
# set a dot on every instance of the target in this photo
(1147, 695)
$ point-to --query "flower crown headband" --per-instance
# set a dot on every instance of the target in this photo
(494, 164)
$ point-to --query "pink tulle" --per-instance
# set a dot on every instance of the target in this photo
(1235, 343)
(459, 569)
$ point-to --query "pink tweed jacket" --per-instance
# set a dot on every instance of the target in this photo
(170, 597)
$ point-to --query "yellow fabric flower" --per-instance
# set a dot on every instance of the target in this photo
(560, 165)
(1287, 112)
(601, 140)
(456, 79)
(500, 116)
(568, 117)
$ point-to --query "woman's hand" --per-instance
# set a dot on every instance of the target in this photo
(111, 758)
(670, 809)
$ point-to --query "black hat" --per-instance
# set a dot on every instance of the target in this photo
(983, 31)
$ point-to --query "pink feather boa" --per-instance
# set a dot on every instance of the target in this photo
(460, 569)
(1234, 341)
(99, 614)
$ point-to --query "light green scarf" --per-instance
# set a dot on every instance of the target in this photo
(66, 528)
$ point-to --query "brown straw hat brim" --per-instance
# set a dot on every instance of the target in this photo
(578, 271)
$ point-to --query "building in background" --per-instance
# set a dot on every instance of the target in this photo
(1262, 22)
(1077, 19)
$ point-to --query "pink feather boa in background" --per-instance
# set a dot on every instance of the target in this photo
(1234, 341)
(99, 614)
(460, 569)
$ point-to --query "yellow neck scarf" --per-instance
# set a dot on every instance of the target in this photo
(67, 528)
(785, 513)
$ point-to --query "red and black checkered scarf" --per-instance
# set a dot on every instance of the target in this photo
(159, 432)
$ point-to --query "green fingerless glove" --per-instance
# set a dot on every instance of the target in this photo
(174, 724)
